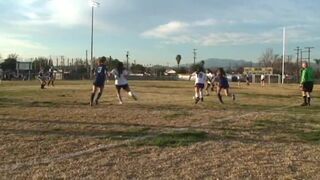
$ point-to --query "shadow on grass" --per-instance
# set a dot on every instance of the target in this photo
(294, 129)
(268, 96)
(177, 114)
(174, 139)
(141, 136)
(10, 102)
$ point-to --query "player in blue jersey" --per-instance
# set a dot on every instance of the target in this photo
(99, 82)
(223, 85)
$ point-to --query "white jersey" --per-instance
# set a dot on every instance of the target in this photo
(200, 78)
(120, 79)
(209, 77)
(262, 77)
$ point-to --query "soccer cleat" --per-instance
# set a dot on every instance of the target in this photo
(134, 97)
(233, 97)
(201, 99)
(120, 102)
(304, 104)
(196, 100)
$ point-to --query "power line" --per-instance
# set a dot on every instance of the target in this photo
(309, 53)
(194, 56)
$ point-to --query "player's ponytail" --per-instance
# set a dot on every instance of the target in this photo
(120, 68)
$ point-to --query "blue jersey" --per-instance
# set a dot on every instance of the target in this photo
(101, 73)
(223, 82)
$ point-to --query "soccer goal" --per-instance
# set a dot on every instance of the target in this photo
(269, 78)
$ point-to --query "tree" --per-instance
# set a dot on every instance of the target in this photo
(267, 58)
(9, 64)
(182, 70)
(112, 63)
(41, 62)
(195, 67)
(317, 61)
(178, 59)
(138, 68)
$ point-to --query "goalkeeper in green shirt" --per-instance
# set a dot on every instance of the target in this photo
(306, 83)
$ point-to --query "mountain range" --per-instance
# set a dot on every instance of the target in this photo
(224, 63)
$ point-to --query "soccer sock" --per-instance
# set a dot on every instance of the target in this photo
(309, 100)
(220, 98)
(196, 95)
(130, 94)
(305, 99)
(201, 93)
(92, 97)
(99, 95)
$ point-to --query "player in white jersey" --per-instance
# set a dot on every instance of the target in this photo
(262, 79)
(121, 81)
(210, 82)
(200, 81)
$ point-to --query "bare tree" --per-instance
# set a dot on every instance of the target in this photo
(267, 58)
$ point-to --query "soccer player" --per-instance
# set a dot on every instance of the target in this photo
(306, 83)
(100, 78)
(210, 82)
(200, 81)
(223, 85)
(121, 81)
(247, 79)
(42, 78)
(51, 76)
(262, 79)
(239, 79)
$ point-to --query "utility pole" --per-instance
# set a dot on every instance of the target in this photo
(87, 58)
(93, 5)
(297, 65)
(301, 56)
(194, 56)
(309, 52)
(127, 55)
(91, 59)
(283, 54)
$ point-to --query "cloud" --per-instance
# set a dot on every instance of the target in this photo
(20, 42)
(175, 32)
(166, 30)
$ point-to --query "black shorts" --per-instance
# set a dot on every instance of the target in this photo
(125, 87)
(199, 85)
(99, 83)
(307, 86)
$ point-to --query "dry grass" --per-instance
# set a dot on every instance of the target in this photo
(53, 133)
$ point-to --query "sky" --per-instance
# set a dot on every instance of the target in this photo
(155, 31)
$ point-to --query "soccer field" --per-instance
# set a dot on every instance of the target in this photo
(53, 133)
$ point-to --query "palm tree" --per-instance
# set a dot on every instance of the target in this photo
(178, 59)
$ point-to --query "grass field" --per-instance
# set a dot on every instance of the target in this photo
(54, 134)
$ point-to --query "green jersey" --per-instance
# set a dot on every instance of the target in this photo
(307, 75)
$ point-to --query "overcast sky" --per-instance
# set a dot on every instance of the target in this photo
(155, 31)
